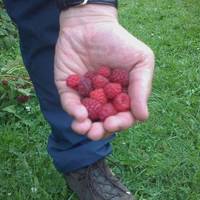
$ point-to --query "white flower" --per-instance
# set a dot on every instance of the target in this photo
(34, 189)
(28, 108)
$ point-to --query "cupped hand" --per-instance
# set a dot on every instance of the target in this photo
(90, 37)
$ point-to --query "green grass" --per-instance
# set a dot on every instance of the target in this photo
(159, 159)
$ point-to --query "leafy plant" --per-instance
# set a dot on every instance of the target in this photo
(8, 33)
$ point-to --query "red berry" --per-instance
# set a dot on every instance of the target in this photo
(90, 74)
(120, 75)
(112, 89)
(122, 102)
(73, 81)
(22, 98)
(4, 82)
(106, 111)
(93, 107)
(99, 95)
(125, 90)
(99, 81)
(84, 87)
(104, 71)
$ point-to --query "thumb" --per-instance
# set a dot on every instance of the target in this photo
(140, 86)
(72, 105)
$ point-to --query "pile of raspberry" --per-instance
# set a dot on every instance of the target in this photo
(103, 92)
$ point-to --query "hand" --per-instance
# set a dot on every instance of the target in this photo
(90, 36)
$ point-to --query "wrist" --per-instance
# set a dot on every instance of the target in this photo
(66, 4)
(87, 14)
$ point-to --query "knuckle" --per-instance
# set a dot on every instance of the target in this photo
(148, 57)
(150, 54)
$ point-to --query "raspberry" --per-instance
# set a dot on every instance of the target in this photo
(84, 87)
(93, 107)
(73, 81)
(4, 82)
(120, 75)
(104, 71)
(125, 90)
(99, 81)
(99, 95)
(106, 111)
(22, 98)
(122, 102)
(112, 89)
(90, 75)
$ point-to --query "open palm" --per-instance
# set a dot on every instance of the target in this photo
(86, 47)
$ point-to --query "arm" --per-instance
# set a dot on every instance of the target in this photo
(90, 36)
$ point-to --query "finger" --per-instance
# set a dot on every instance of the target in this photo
(71, 104)
(140, 86)
(96, 131)
(70, 100)
(121, 121)
(81, 127)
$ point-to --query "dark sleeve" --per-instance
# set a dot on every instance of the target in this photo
(65, 4)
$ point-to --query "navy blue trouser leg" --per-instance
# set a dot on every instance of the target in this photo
(37, 22)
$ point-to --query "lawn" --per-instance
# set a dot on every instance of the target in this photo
(159, 159)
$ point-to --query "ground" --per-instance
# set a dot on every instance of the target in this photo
(159, 159)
